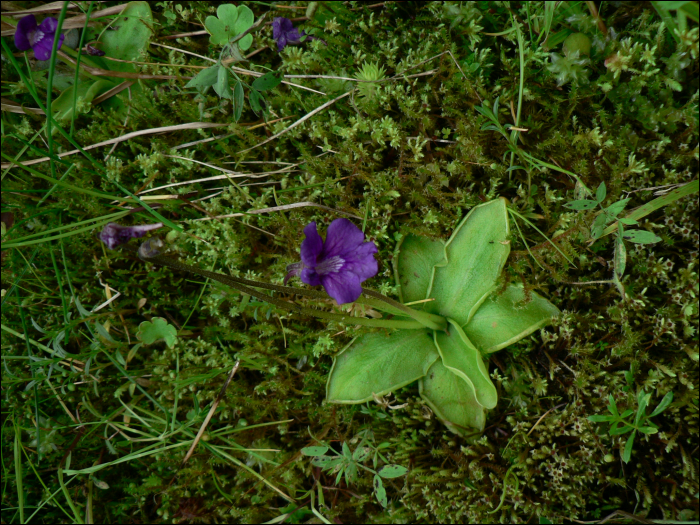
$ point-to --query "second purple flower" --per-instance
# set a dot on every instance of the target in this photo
(340, 264)
(37, 37)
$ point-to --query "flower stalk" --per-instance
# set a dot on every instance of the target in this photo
(376, 300)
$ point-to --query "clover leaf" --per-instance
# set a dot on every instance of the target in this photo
(230, 22)
(157, 330)
(459, 280)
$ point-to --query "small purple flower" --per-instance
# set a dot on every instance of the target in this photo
(285, 33)
(113, 234)
(340, 264)
(39, 38)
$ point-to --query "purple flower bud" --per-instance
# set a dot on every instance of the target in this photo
(340, 264)
(113, 234)
(285, 33)
(37, 37)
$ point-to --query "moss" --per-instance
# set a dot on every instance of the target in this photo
(407, 155)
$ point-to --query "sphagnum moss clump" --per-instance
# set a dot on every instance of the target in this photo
(407, 155)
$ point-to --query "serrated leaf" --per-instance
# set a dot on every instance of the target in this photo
(641, 237)
(476, 254)
(505, 318)
(379, 491)
(600, 192)
(414, 259)
(452, 399)
(392, 471)
(268, 81)
(151, 331)
(378, 363)
(314, 451)
(130, 36)
(462, 358)
(238, 101)
(584, 204)
(205, 78)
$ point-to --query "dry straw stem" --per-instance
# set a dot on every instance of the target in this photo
(152, 131)
(236, 69)
(230, 174)
(280, 208)
(302, 119)
(214, 405)
(70, 23)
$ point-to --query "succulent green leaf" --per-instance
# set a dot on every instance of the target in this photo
(462, 358)
(63, 106)
(377, 363)
(130, 38)
(151, 331)
(505, 318)
(452, 399)
(414, 259)
(475, 255)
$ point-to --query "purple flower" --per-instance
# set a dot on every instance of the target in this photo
(40, 38)
(285, 33)
(113, 234)
(340, 264)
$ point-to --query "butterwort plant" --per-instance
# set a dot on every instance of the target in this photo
(456, 281)
(461, 316)
(38, 37)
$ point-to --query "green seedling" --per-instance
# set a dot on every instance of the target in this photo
(347, 463)
(157, 330)
(621, 425)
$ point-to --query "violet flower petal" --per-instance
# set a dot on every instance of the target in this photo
(25, 26)
(310, 277)
(343, 287)
(342, 238)
(312, 246)
(113, 234)
(340, 264)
